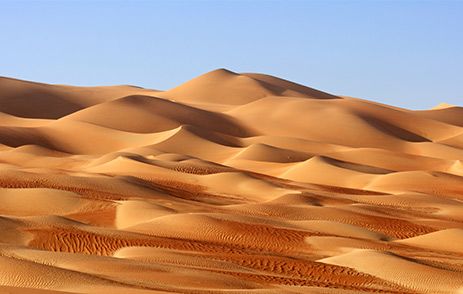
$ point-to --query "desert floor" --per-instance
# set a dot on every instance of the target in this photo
(228, 183)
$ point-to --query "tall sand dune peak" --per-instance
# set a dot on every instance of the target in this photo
(227, 87)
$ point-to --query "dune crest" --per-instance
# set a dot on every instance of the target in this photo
(228, 183)
(443, 105)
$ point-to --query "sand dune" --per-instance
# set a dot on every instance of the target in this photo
(228, 183)
(268, 153)
(226, 87)
(449, 114)
(156, 115)
(322, 170)
(33, 100)
(445, 240)
(403, 271)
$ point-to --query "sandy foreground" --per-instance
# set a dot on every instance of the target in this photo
(228, 183)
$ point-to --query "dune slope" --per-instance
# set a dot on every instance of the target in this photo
(228, 183)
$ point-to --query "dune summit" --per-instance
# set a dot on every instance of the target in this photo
(228, 183)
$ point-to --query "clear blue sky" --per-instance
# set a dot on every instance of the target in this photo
(405, 53)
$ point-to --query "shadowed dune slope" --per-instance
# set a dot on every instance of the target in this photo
(451, 115)
(36, 100)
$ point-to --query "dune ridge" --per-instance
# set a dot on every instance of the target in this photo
(228, 183)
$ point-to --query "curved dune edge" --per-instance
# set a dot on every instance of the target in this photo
(228, 183)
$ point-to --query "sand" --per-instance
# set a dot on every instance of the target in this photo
(228, 183)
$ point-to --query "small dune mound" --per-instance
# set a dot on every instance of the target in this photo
(434, 183)
(444, 240)
(323, 170)
(21, 273)
(340, 229)
(132, 212)
(267, 153)
(399, 270)
(36, 201)
(219, 230)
